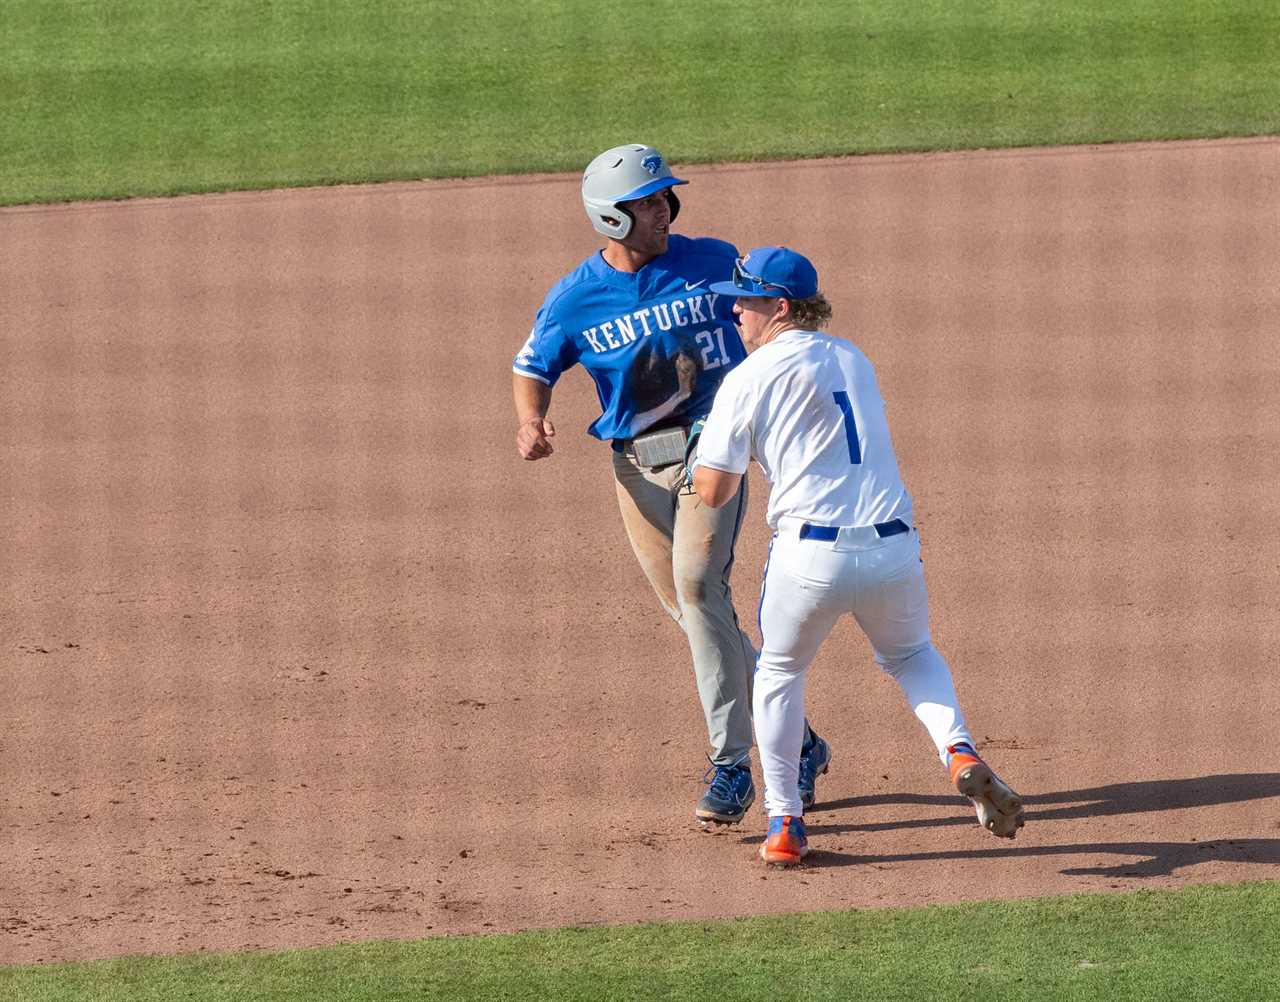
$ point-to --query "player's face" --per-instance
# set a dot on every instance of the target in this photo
(755, 318)
(652, 226)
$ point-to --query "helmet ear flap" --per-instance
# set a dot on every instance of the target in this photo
(609, 218)
(674, 203)
(625, 219)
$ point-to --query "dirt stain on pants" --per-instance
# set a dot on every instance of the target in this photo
(685, 549)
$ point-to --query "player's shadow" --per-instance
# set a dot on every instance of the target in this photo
(1094, 802)
(1151, 859)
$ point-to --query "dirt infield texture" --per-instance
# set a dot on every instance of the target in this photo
(295, 650)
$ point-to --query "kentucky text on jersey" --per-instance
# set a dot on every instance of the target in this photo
(656, 342)
(678, 313)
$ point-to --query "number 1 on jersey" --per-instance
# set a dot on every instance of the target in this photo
(850, 426)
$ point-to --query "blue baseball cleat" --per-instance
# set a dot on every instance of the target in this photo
(814, 760)
(730, 792)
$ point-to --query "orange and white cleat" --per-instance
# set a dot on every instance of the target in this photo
(786, 843)
(999, 808)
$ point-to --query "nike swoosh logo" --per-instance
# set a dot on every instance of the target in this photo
(690, 286)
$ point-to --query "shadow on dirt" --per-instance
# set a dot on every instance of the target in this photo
(1151, 859)
(1095, 802)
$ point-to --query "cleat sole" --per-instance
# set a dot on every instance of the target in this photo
(999, 809)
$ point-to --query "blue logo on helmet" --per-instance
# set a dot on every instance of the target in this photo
(652, 163)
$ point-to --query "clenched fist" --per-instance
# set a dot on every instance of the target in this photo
(533, 438)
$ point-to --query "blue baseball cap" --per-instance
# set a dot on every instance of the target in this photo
(775, 272)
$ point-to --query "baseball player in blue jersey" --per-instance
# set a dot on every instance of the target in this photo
(641, 318)
(806, 406)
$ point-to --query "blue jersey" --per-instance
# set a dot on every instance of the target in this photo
(656, 342)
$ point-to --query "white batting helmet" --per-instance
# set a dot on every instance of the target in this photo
(622, 174)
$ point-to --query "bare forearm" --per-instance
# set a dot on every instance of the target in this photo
(532, 398)
(533, 431)
(715, 487)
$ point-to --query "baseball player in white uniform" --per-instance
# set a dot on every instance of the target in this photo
(806, 406)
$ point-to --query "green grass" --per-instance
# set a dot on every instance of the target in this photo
(1202, 943)
(125, 97)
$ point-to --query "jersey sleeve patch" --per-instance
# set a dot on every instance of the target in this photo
(547, 352)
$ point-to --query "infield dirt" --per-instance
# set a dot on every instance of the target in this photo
(295, 650)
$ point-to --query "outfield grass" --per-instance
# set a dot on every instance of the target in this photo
(1203, 943)
(127, 97)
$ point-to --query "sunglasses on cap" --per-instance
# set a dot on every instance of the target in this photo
(748, 282)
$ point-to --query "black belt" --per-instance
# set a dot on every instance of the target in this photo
(830, 533)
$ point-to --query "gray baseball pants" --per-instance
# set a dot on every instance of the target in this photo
(686, 551)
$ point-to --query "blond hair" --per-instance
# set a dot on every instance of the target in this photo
(812, 313)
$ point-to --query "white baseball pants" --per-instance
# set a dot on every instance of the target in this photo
(808, 585)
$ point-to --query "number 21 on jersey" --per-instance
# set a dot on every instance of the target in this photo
(850, 426)
(710, 340)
